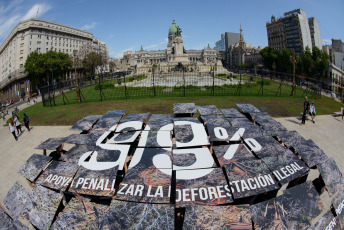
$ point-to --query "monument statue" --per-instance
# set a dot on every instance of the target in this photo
(179, 32)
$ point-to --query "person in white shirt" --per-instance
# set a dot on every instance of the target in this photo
(12, 129)
(312, 112)
(18, 124)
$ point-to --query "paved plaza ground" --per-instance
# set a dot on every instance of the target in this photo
(327, 133)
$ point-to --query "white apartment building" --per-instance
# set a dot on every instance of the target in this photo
(40, 35)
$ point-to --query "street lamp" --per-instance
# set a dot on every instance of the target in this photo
(76, 78)
(293, 60)
(274, 68)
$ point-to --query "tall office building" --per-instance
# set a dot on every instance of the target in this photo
(41, 36)
(315, 32)
(293, 31)
(220, 45)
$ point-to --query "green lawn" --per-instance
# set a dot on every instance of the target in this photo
(69, 114)
(112, 91)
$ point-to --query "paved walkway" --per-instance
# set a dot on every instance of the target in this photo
(327, 132)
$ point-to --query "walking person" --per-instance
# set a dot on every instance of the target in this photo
(305, 110)
(3, 115)
(26, 122)
(18, 124)
(12, 129)
(312, 112)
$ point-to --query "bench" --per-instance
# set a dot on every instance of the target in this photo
(337, 114)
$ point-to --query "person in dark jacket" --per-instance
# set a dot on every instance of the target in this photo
(305, 110)
(26, 122)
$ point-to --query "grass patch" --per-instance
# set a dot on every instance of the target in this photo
(69, 114)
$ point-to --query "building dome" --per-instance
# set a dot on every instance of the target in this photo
(173, 28)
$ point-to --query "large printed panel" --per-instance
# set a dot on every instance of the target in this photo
(151, 158)
(219, 129)
(240, 122)
(34, 166)
(286, 166)
(160, 122)
(128, 215)
(58, 175)
(135, 117)
(156, 139)
(327, 221)
(194, 158)
(98, 171)
(250, 178)
(295, 209)
(51, 143)
(211, 189)
(85, 139)
(310, 153)
(86, 123)
(73, 155)
(265, 146)
(16, 200)
(248, 108)
(331, 176)
(218, 217)
(183, 108)
(338, 205)
(43, 208)
(190, 134)
(109, 119)
(146, 185)
(228, 154)
(80, 213)
(208, 110)
(232, 112)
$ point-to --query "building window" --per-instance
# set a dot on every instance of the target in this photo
(21, 52)
(21, 59)
(22, 45)
(21, 65)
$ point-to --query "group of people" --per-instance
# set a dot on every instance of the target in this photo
(16, 124)
(308, 108)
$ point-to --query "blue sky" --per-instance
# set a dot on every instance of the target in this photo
(126, 25)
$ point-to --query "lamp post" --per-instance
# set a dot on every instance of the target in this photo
(274, 68)
(76, 79)
(293, 60)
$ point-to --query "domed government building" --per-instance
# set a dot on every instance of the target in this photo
(143, 61)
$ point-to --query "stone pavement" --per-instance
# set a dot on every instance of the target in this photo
(327, 132)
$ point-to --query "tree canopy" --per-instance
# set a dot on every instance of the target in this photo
(315, 63)
(42, 67)
(312, 64)
(280, 58)
(92, 61)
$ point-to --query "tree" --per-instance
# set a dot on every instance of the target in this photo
(41, 68)
(320, 62)
(92, 61)
(314, 63)
(34, 67)
(112, 65)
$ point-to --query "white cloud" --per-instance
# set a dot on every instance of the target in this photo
(36, 11)
(89, 26)
(7, 25)
(11, 15)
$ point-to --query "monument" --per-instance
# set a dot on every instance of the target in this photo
(143, 61)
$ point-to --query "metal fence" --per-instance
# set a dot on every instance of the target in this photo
(114, 86)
